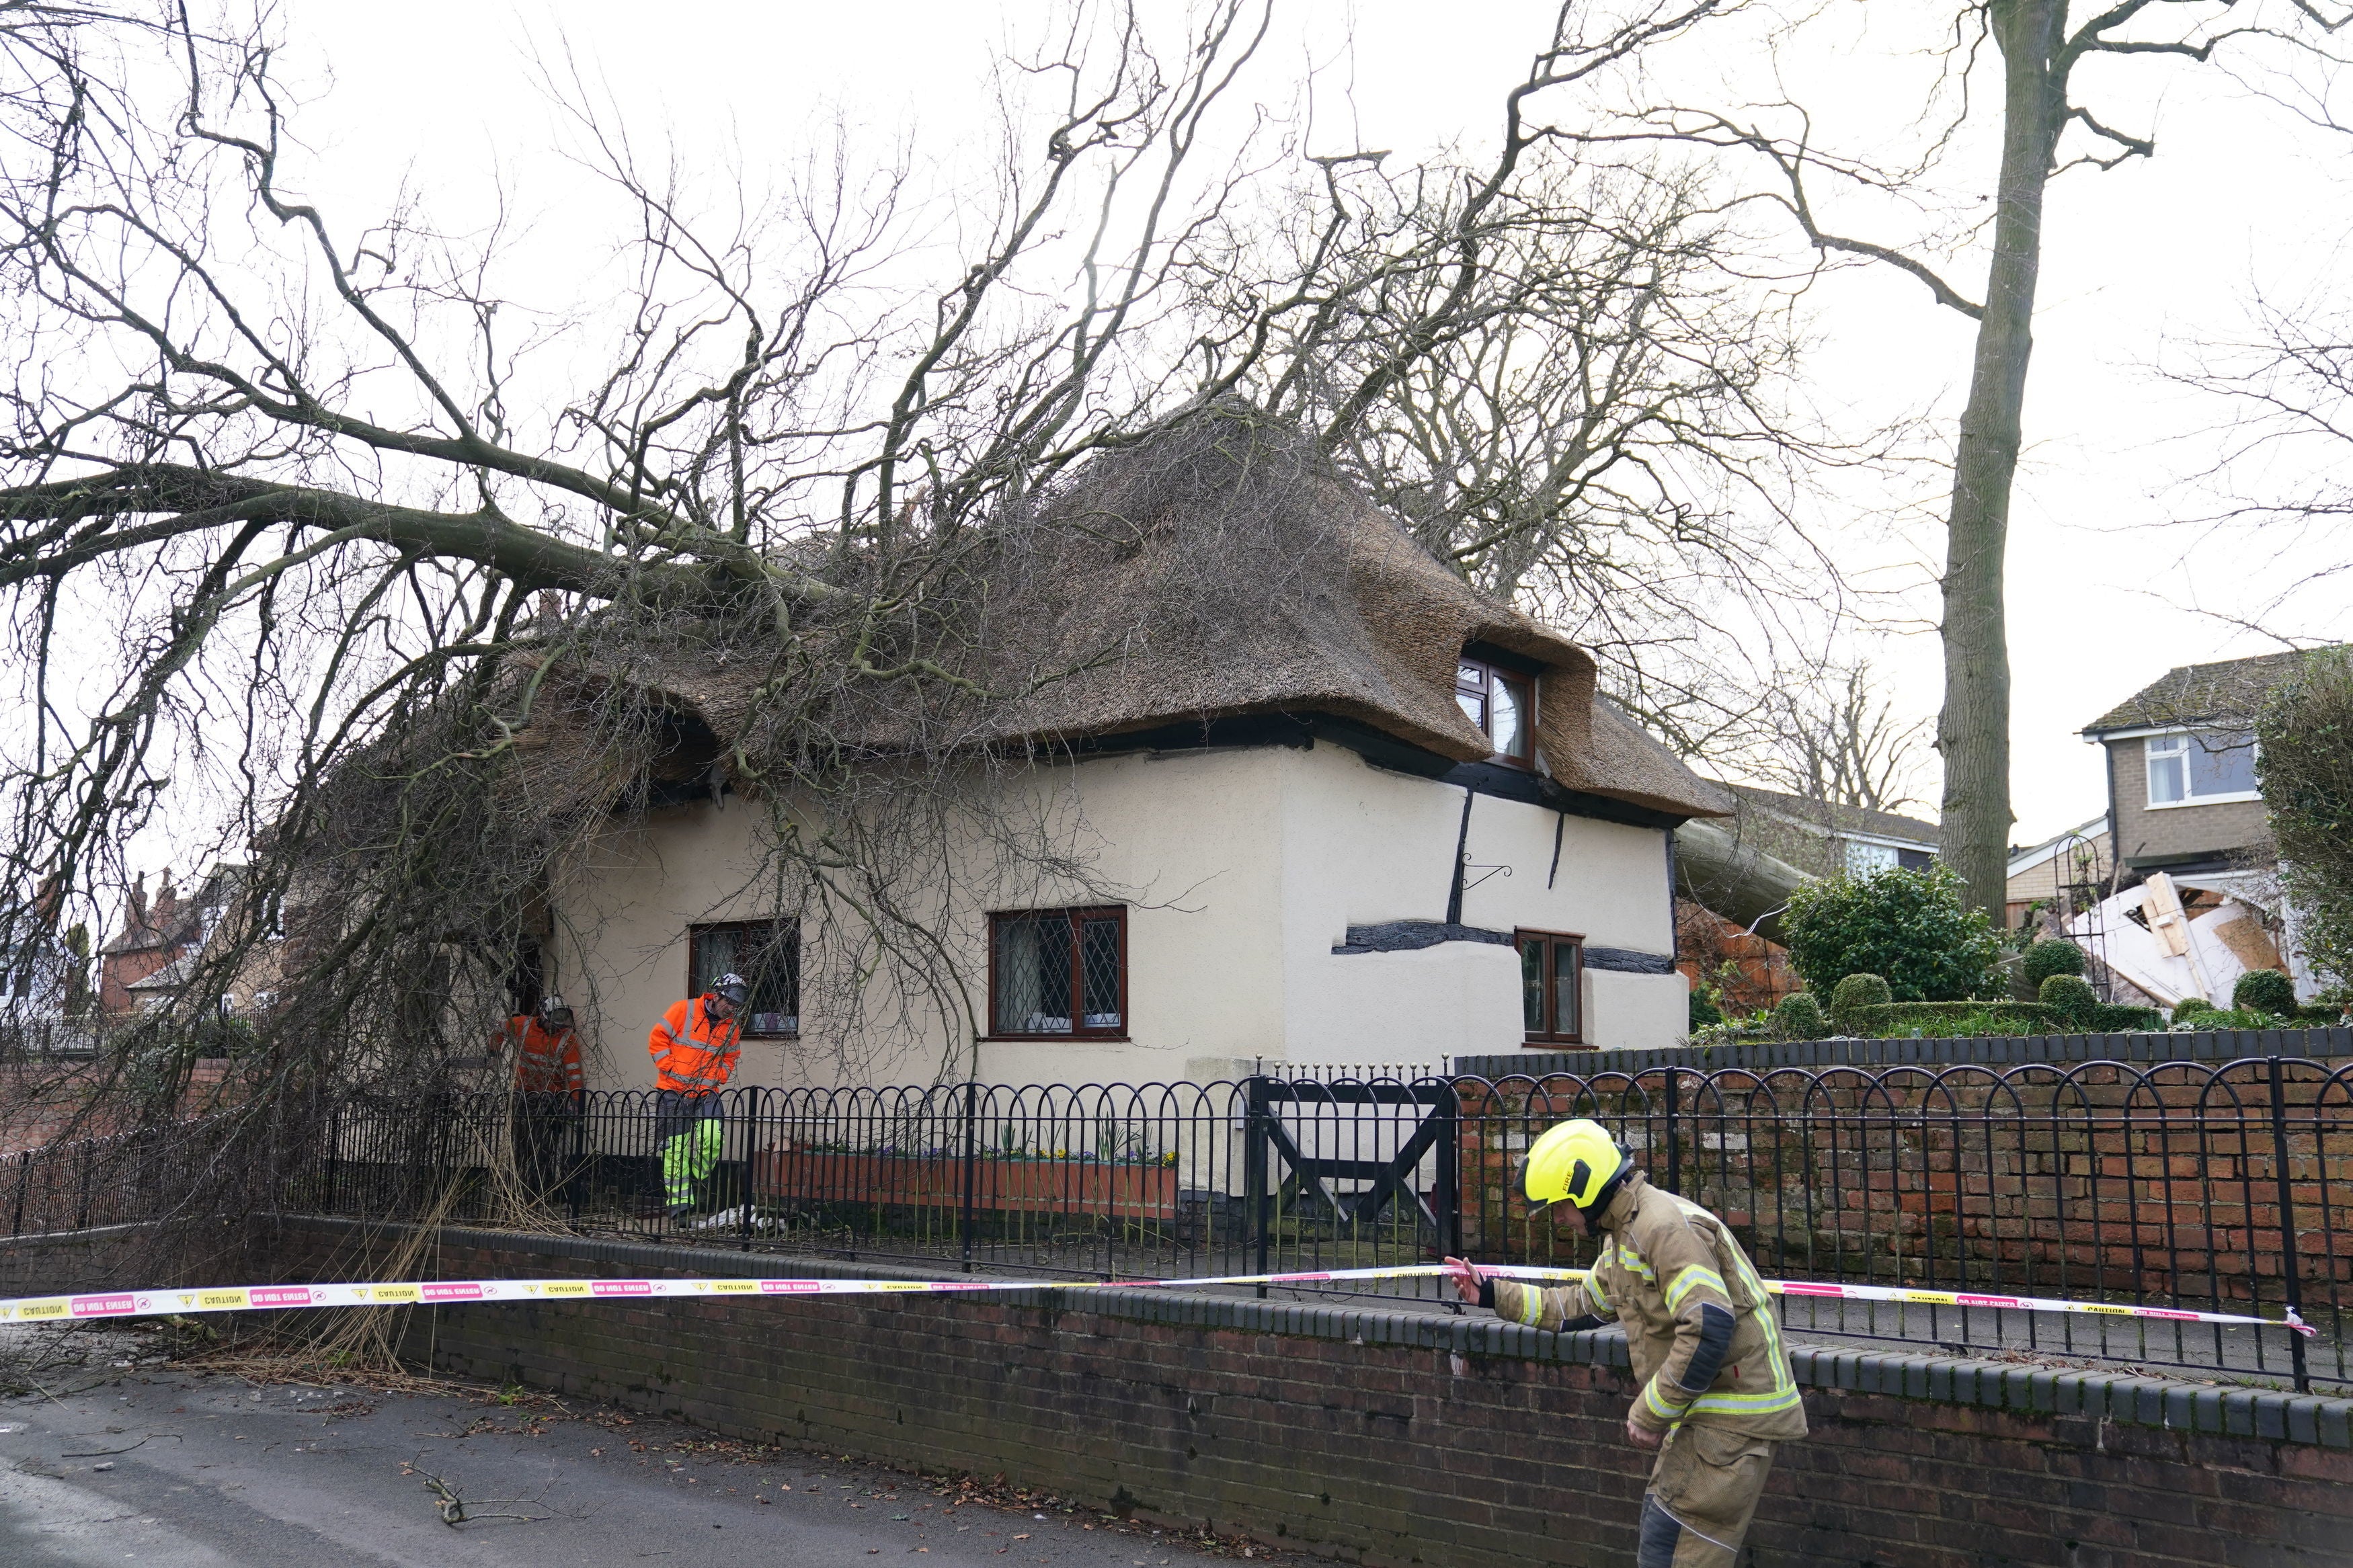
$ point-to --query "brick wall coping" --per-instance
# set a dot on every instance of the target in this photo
(9, 1244)
(2131, 1399)
(1993, 1051)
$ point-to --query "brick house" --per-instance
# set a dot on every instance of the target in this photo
(1828, 839)
(2190, 833)
(2180, 756)
(145, 963)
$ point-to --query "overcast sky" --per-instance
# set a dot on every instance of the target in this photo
(2103, 598)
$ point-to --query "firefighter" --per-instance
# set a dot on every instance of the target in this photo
(1716, 1391)
(694, 1046)
(548, 1084)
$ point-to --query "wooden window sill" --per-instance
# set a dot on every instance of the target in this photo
(1063, 1040)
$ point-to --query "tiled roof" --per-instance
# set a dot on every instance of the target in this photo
(1826, 817)
(2227, 691)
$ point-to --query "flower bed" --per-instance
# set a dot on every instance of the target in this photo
(1026, 1185)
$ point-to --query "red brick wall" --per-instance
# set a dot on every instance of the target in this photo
(1367, 1436)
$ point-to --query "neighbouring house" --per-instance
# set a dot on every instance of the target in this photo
(1827, 839)
(1335, 806)
(45, 995)
(1745, 968)
(2199, 901)
(147, 961)
(2057, 879)
(2180, 753)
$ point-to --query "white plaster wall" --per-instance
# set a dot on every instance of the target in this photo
(1191, 838)
(1243, 868)
(1364, 845)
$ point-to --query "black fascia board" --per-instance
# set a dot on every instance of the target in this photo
(1380, 749)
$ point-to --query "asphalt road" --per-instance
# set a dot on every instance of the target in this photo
(198, 1470)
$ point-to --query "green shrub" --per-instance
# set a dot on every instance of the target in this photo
(2051, 955)
(2225, 1018)
(1704, 1013)
(2264, 991)
(2188, 1004)
(2303, 758)
(1940, 1019)
(2113, 1018)
(1854, 994)
(1798, 1016)
(1909, 927)
(2071, 997)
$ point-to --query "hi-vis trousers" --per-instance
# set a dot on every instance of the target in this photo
(688, 1131)
(1702, 1495)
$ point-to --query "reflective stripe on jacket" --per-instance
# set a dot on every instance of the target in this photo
(547, 1061)
(1700, 1328)
(693, 1053)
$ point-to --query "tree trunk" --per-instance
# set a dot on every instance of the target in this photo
(1738, 881)
(1973, 729)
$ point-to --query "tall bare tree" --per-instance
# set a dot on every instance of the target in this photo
(2046, 129)
(314, 512)
(1835, 736)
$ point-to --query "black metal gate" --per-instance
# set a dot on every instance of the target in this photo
(1388, 1175)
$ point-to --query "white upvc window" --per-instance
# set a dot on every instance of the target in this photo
(1866, 859)
(2206, 767)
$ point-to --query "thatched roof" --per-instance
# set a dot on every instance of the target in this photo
(1222, 571)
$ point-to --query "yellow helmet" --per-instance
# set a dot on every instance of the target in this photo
(1576, 1162)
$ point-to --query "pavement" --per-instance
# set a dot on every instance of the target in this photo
(158, 1465)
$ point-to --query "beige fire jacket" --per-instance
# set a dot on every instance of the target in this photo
(1699, 1326)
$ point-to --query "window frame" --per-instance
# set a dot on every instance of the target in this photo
(1522, 685)
(1075, 914)
(2178, 744)
(1556, 1037)
(694, 937)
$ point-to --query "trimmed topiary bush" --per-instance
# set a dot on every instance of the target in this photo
(1909, 927)
(2071, 997)
(2051, 955)
(2190, 1004)
(2264, 991)
(1798, 1016)
(1855, 993)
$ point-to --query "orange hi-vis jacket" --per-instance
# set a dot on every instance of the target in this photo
(694, 1053)
(547, 1061)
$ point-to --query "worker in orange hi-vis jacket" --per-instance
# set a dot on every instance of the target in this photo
(695, 1044)
(549, 1088)
(546, 1050)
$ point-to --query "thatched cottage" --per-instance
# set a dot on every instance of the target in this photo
(1311, 799)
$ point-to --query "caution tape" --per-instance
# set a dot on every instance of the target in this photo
(456, 1292)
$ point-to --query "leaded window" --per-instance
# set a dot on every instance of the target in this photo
(767, 954)
(1058, 973)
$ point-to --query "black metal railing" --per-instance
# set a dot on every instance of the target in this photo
(125, 1178)
(2217, 1186)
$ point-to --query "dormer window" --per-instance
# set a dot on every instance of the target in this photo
(1502, 702)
